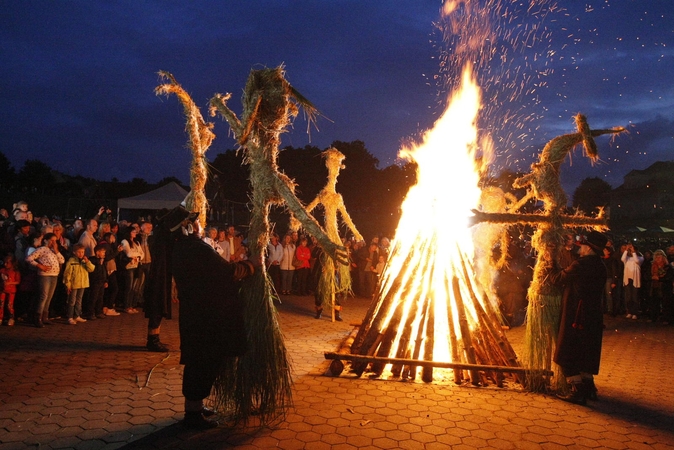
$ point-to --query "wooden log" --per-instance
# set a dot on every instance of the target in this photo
(465, 330)
(453, 343)
(488, 320)
(337, 366)
(379, 310)
(422, 332)
(438, 364)
(384, 347)
(598, 223)
(405, 335)
(427, 372)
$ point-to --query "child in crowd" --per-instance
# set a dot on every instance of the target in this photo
(76, 280)
(379, 268)
(98, 281)
(10, 280)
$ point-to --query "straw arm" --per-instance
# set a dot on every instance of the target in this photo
(219, 103)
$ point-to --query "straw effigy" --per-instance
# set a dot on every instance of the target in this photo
(544, 309)
(330, 284)
(200, 138)
(260, 381)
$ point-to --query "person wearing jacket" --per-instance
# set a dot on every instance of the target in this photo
(578, 350)
(47, 259)
(76, 280)
(211, 320)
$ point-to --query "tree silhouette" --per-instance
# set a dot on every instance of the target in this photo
(36, 176)
(591, 194)
(7, 172)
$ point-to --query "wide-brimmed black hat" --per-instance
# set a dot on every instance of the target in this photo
(175, 217)
(595, 240)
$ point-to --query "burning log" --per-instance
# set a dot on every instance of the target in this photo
(436, 364)
(427, 292)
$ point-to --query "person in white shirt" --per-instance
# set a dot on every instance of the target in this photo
(274, 257)
(211, 238)
(632, 279)
(48, 261)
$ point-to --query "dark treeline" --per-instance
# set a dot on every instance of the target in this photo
(372, 195)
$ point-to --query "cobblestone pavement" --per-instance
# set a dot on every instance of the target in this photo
(94, 386)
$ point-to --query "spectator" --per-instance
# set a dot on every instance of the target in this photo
(76, 230)
(21, 243)
(128, 260)
(662, 276)
(76, 280)
(11, 278)
(98, 281)
(112, 249)
(47, 259)
(88, 238)
(645, 303)
(211, 238)
(614, 274)
(145, 239)
(232, 244)
(287, 268)
(631, 279)
(302, 256)
(369, 269)
(274, 256)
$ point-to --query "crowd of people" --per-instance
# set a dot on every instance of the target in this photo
(639, 284)
(97, 268)
(85, 270)
(293, 262)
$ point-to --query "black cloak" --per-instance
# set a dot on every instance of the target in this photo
(582, 321)
(211, 313)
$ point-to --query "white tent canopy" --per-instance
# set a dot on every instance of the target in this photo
(168, 196)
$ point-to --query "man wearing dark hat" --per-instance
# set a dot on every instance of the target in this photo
(157, 288)
(211, 316)
(578, 349)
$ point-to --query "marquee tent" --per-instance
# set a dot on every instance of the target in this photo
(168, 196)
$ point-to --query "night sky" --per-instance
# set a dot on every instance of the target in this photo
(77, 77)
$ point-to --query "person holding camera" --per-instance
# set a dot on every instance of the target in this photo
(632, 261)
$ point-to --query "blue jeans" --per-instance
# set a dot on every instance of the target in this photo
(75, 303)
(46, 285)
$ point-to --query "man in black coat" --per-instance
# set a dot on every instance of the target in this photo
(158, 286)
(578, 349)
(211, 317)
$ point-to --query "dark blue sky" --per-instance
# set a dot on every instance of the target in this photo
(77, 77)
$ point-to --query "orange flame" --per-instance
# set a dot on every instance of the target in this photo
(433, 241)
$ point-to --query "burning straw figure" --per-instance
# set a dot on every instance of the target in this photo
(331, 284)
(543, 181)
(260, 380)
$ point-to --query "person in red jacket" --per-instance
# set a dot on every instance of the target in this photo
(11, 278)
